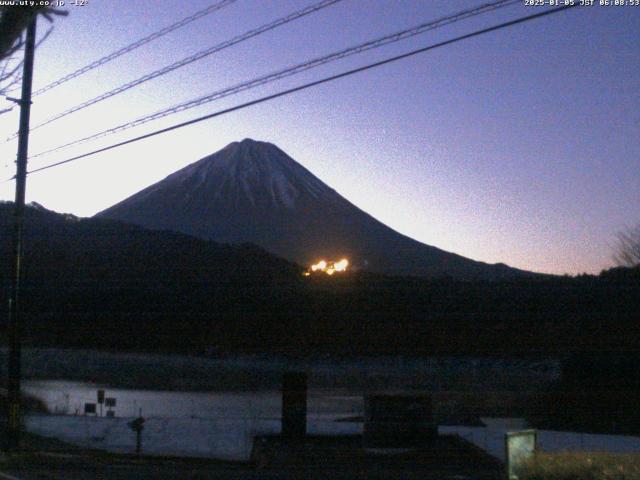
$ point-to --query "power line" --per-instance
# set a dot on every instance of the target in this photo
(190, 59)
(309, 85)
(143, 41)
(289, 71)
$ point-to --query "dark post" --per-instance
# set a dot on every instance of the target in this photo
(138, 441)
(137, 426)
(13, 433)
(294, 405)
(100, 399)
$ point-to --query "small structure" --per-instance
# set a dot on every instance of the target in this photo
(100, 398)
(110, 403)
(398, 421)
(520, 447)
(294, 405)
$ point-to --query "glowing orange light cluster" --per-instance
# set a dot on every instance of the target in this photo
(328, 267)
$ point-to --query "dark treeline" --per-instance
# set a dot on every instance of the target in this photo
(94, 283)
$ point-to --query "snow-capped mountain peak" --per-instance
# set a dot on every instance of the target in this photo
(252, 191)
(258, 170)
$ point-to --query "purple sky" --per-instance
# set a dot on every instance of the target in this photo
(521, 146)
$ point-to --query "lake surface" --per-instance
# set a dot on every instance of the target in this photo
(68, 398)
(221, 373)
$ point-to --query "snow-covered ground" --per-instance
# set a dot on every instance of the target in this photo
(223, 424)
(232, 438)
(204, 424)
(221, 438)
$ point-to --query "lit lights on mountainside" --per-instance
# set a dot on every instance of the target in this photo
(328, 267)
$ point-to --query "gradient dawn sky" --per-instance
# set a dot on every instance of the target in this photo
(521, 146)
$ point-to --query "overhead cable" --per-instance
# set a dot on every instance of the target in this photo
(137, 44)
(289, 71)
(308, 85)
(190, 59)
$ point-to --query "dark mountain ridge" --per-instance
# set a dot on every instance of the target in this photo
(98, 283)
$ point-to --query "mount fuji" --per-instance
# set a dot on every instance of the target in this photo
(252, 191)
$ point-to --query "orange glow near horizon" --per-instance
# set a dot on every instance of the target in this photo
(328, 267)
(321, 265)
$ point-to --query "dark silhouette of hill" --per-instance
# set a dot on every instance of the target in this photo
(98, 283)
(254, 192)
(105, 283)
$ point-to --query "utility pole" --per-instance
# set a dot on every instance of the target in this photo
(13, 430)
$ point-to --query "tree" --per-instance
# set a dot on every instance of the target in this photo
(13, 22)
(627, 247)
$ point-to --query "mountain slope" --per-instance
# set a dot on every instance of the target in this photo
(254, 192)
